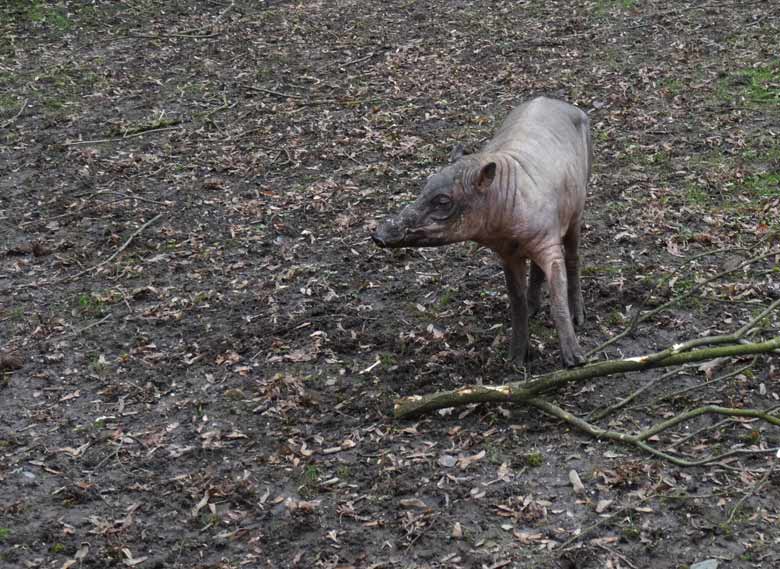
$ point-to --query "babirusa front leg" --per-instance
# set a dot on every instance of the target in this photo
(515, 273)
(555, 271)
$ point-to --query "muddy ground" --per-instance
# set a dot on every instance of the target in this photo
(201, 347)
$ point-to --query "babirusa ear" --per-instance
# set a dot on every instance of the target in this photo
(457, 153)
(486, 176)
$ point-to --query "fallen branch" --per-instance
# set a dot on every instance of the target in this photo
(528, 392)
(524, 391)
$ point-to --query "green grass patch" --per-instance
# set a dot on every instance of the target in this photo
(673, 86)
(388, 360)
(763, 84)
(615, 318)
(37, 12)
(763, 186)
(446, 297)
(757, 85)
(604, 8)
(89, 305)
(9, 104)
(63, 85)
(697, 195)
(534, 459)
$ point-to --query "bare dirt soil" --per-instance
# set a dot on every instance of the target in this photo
(200, 347)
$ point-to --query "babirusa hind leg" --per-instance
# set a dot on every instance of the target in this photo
(571, 244)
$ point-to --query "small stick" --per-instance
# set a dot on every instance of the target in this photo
(696, 387)
(102, 140)
(637, 318)
(754, 489)
(354, 61)
(97, 323)
(277, 93)
(16, 116)
(597, 416)
(616, 554)
(602, 521)
(160, 36)
(116, 253)
(131, 197)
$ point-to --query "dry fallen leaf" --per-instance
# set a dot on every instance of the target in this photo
(673, 249)
(82, 552)
(413, 503)
(132, 561)
(457, 531)
(75, 452)
(466, 461)
(576, 483)
(604, 540)
(294, 505)
(447, 461)
(710, 367)
(527, 537)
(199, 506)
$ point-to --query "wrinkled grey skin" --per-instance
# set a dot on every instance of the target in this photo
(522, 196)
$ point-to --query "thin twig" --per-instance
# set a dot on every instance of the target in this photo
(124, 197)
(523, 391)
(86, 199)
(16, 116)
(277, 93)
(698, 432)
(626, 400)
(713, 340)
(193, 33)
(704, 410)
(304, 101)
(225, 106)
(639, 439)
(428, 526)
(616, 554)
(753, 490)
(729, 375)
(352, 61)
(97, 323)
(603, 521)
(713, 427)
(135, 134)
(638, 318)
(124, 246)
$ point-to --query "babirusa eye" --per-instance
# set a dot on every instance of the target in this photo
(441, 200)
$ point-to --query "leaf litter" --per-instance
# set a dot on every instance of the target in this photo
(217, 393)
